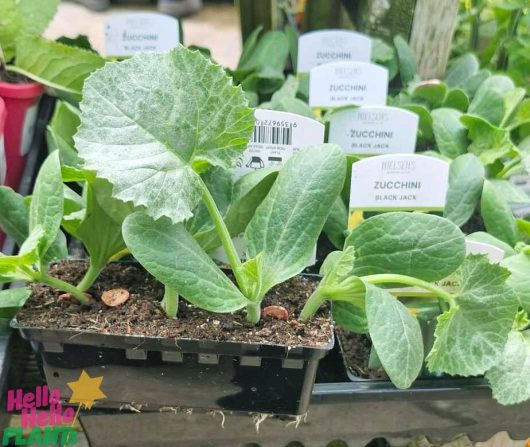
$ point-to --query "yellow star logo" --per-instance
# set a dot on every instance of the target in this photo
(86, 390)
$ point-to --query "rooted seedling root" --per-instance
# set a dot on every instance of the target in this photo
(297, 420)
(258, 418)
(115, 297)
(223, 417)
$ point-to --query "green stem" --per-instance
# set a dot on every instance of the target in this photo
(57, 284)
(505, 171)
(410, 281)
(475, 27)
(90, 276)
(170, 302)
(312, 304)
(502, 59)
(253, 312)
(222, 231)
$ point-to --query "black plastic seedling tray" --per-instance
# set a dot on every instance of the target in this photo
(151, 373)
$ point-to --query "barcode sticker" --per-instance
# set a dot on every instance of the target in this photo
(277, 136)
(273, 135)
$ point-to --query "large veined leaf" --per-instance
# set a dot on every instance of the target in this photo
(470, 337)
(510, 378)
(450, 134)
(286, 225)
(396, 336)
(56, 65)
(36, 16)
(46, 209)
(420, 245)
(519, 280)
(466, 177)
(172, 256)
(151, 123)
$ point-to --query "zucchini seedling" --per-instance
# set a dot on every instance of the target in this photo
(153, 126)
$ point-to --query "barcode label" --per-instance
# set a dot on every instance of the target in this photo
(273, 135)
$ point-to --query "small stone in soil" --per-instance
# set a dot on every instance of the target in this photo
(278, 312)
(115, 297)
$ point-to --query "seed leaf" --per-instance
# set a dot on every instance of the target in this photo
(11, 300)
(286, 225)
(449, 133)
(519, 280)
(396, 336)
(171, 255)
(420, 245)
(498, 216)
(466, 178)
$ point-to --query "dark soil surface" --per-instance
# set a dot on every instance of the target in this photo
(356, 354)
(12, 77)
(142, 314)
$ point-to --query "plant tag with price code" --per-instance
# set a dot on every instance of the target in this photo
(131, 33)
(374, 130)
(277, 136)
(348, 84)
(326, 46)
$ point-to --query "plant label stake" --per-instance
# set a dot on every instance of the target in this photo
(131, 33)
(348, 83)
(399, 182)
(277, 136)
(374, 130)
(326, 46)
(452, 282)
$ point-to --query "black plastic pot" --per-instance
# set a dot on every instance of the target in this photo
(153, 373)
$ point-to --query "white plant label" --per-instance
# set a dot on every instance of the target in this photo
(277, 136)
(28, 129)
(348, 83)
(374, 130)
(399, 182)
(326, 46)
(131, 33)
(451, 284)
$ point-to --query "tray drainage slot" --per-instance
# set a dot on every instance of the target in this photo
(292, 364)
(250, 361)
(208, 359)
(172, 356)
(136, 354)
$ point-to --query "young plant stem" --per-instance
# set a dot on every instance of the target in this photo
(502, 59)
(90, 276)
(318, 297)
(222, 231)
(51, 281)
(410, 281)
(253, 312)
(475, 26)
(506, 171)
(170, 302)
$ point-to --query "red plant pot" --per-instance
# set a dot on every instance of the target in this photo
(3, 116)
(21, 102)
